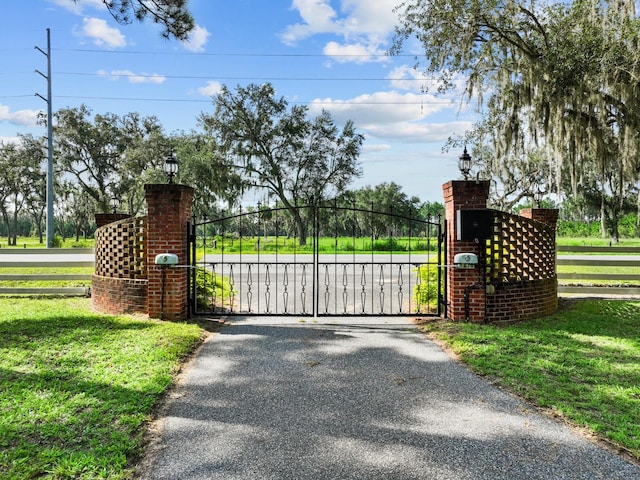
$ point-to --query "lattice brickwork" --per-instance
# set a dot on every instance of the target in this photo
(120, 249)
(520, 249)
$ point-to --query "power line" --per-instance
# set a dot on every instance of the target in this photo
(217, 77)
(238, 54)
(312, 102)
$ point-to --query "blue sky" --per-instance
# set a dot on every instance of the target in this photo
(327, 54)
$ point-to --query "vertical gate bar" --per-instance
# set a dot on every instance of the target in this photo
(354, 255)
(428, 266)
(190, 256)
(257, 246)
(240, 295)
(276, 256)
(295, 270)
(335, 250)
(316, 269)
(390, 236)
(372, 259)
(442, 292)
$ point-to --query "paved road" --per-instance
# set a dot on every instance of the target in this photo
(273, 399)
(9, 258)
(346, 284)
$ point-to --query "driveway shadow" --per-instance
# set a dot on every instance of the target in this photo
(377, 401)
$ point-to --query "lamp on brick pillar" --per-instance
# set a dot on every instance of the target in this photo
(464, 195)
(171, 167)
(168, 215)
(464, 164)
(114, 204)
(538, 194)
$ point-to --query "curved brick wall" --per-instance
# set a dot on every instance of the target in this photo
(119, 295)
(119, 284)
(513, 302)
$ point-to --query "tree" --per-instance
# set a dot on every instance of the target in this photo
(203, 167)
(74, 208)
(301, 161)
(20, 176)
(109, 155)
(173, 15)
(34, 182)
(562, 77)
(387, 198)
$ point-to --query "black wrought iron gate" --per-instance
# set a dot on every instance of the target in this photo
(316, 261)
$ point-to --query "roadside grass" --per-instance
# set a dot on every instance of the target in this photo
(340, 245)
(76, 387)
(34, 242)
(592, 269)
(582, 363)
(596, 242)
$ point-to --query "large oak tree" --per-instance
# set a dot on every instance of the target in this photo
(563, 76)
(301, 161)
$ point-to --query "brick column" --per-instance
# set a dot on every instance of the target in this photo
(464, 195)
(543, 215)
(169, 211)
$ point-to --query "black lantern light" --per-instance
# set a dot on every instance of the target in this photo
(464, 164)
(114, 204)
(538, 194)
(171, 167)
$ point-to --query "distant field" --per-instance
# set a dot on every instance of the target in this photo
(343, 244)
(33, 242)
(597, 242)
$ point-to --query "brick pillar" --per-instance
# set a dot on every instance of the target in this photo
(543, 215)
(464, 195)
(169, 211)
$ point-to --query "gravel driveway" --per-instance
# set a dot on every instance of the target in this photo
(268, 398)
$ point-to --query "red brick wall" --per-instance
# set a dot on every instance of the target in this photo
(544, 215)
(106, 218)
(118, 295)
(503, 302)
(513, 302)
(169, 211)
(467, 195)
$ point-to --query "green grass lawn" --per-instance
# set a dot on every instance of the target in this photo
(596, 242)
(34, 242)
(77, 387)
(583, 363)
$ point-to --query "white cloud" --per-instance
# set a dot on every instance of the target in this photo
(382, 107)
(410, 79)
(364, 26)
(210, 89)
(132, 77)
(355, 52)
(412, 132)
(395, 116)
(197, 39)
(79, 7)
(317, 16)
(7, 140)
(102, 34)
(23, 118)
(366, 148)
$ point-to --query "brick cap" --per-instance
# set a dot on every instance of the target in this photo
(166, 188)
(463, 185)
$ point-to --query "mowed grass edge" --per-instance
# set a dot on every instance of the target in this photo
(77, 387)
(582, 364)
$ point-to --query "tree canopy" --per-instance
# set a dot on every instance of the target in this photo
(301, 161)
(562, 77)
